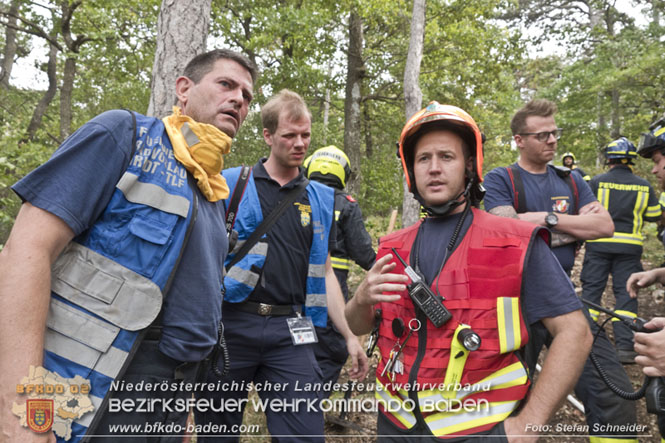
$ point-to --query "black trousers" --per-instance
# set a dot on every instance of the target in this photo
(595, 272)
(166, 423)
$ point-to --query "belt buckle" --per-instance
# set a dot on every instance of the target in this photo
(264, 309)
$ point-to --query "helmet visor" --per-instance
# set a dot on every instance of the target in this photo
(648, 143)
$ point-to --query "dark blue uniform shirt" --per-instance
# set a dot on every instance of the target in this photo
(284, 277)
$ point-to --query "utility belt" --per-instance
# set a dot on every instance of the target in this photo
(301, 327)
(264, 309)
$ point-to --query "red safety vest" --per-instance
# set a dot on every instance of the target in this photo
(481, 283)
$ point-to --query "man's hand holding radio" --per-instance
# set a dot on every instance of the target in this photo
(380, 285)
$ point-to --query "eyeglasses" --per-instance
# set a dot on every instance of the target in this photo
(545, 135)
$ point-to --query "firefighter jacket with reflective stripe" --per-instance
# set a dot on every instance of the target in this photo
(630, 201)
(352, 242)
(242, 278)
(437, 382)
(108, 283)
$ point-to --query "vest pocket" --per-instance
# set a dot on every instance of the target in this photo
(149, 236)
(77, 336)
(105, 288)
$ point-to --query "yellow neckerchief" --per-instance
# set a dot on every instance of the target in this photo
(199, 147)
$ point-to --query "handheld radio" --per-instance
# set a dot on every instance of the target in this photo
(423, 297)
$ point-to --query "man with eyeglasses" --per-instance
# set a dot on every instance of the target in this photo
(551, 196)
(534, 190)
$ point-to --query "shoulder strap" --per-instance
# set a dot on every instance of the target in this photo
(519, 202)
(576, 196)
(238, 192)
(268, 222)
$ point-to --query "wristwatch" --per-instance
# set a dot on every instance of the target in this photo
(551, 219)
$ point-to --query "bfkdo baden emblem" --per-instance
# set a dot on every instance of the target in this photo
(40, 414)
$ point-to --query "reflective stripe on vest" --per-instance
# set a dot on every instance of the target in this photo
(246, 277)
(152, 195)
(341, 263)
(107, 284)
(508, 317)
(395, 405)
(513, 375)
(446, 423)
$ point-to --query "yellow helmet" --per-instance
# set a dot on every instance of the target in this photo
(329, 165)
(568, 154)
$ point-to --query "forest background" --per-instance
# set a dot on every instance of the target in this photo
(363, 66)
(63, 62)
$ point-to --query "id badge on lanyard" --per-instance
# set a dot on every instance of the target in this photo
(302, 330)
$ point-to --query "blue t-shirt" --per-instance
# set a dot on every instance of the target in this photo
(77, 183)
(541, 297)
(543, 192)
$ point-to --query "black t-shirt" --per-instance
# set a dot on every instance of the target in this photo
(284, 277)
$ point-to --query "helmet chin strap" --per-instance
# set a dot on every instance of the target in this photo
(446, 208)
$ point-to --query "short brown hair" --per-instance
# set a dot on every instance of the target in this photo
(202, 64)
(284, 101)
(540, 107)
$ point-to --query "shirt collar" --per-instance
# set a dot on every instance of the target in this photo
(261, 173)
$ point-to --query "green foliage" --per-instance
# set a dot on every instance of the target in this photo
(474, 57)
(15, 159)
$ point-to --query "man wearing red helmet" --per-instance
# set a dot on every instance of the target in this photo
(452, 341)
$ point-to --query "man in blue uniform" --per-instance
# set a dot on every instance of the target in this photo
(118, 240)
(283, 287)
(564, 203)
(630, 201)
(331, 166)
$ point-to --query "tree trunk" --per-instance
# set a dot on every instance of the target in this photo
(182, 31)
(10, 47)
(413, 96)
(66, 97)
(602, 129)
(326, 108)
(615, 131)
(40, 110)
(354, 76)
(369, 142)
